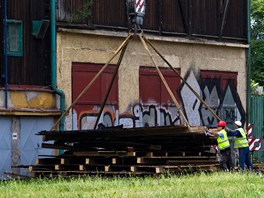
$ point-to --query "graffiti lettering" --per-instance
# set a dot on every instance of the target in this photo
(226, 104)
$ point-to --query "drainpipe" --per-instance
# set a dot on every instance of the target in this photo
(5, 54)
(54, 60)
(248, 63)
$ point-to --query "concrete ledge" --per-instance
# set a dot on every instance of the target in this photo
(156, 38)
(29, 112)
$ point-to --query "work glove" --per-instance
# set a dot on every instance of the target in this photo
(207, 132)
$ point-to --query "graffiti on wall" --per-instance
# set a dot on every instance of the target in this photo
(139, 116)
(222, 98)
(224, 101)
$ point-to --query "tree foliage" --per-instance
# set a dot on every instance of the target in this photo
(257, 64)
(257, 19)
(83, 14)
(257, 42)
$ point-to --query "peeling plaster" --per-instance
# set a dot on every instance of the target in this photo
(29, 100)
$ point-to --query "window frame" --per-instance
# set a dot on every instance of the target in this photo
(19, 41)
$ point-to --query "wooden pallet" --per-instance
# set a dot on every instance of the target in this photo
(106, 162)
(117, 151)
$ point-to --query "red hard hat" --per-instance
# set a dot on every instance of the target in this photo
(221, 124)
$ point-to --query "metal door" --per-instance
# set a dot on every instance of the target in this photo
(30, 143)
(5, 146)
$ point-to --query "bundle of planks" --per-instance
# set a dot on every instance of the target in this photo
(124, 151)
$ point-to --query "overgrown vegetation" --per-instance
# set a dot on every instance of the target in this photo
(85, 13)
(219, 184)
(255, 88)
(257, 41)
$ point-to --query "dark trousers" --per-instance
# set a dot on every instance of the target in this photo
(226, 160)
(244, 158)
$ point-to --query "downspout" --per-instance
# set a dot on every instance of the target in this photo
(248, 62)
(5, 54)
(54, 60)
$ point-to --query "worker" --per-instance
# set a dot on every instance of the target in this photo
(226, 163)
(241, 143)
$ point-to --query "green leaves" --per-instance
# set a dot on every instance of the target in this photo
(84, 13)
(257, 43)
(257, 16)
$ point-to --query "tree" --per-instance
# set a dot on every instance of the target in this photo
(257, 42)
(257, 64)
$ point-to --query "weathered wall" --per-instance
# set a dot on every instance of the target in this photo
(29, 111)
(30, 100)
(189, 56)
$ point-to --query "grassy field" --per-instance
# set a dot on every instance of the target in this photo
(217, 184)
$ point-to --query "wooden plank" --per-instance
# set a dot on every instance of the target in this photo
(41, 167)
(124, 160)
(91, 167)
(178, 153)
(190, 162)
(178, 169)
(17, 176)
(74, 160)
(150, 168)
(118, 168)
(165, 159)
(178, 157)
(67, 167)
(70, 173)
(128, 168)
(54, 146)
(103, 153)
(42, 161)
(164, 131)
(67, 160)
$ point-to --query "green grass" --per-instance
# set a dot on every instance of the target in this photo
(219, 184)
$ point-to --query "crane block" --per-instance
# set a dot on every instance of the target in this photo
(136, 11)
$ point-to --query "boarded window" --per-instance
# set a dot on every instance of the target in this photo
(152, 89)
(82, 74)
(220, 91)
(218, 78)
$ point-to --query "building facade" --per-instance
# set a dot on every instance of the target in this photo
(46, 64)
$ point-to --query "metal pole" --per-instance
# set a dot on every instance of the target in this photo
(53, 60)
(5, 54)
(249, 111)
(248, 64)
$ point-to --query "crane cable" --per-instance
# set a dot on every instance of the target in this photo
(187, 84)
(93, 80)
(164, 81)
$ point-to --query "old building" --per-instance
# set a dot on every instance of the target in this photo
(205, 42)
(48, 64)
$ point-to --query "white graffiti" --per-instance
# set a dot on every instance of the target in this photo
(226, 104)
(190, 102)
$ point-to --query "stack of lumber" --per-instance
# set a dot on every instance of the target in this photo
(120, 151)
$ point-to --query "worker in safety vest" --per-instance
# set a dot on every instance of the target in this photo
(226, 163)
(241, 143)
